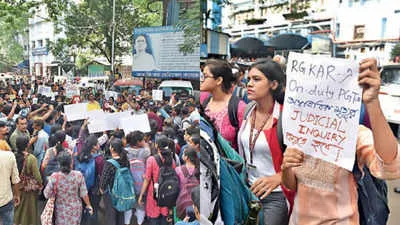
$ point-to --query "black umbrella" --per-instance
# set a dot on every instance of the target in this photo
(249, 47)
(287, 41)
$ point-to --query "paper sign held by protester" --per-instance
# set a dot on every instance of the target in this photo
(76, 111)
(322, 107)
(72, 90)
(109, 94)
(43, 90)
(157, 95)
(114, 119)
(97, 121)
(135, 122)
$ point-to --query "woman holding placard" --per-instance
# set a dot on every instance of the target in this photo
(259, 143)
(326, 193)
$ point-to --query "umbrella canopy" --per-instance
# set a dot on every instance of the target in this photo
(287, 41)
(250, 47)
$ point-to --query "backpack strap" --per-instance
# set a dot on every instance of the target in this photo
(279, 131)
(206, 101)
(248, 109)
(114, 162)
(233, 111)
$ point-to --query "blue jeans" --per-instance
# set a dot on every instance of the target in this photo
(275, 209)
(7, 213)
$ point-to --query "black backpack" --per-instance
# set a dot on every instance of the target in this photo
(168, 185)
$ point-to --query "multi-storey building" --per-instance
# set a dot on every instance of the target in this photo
(345, 28)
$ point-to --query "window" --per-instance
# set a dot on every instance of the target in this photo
(40, 43)
(359, 32)
(383, 27)
(337, 30)
(47, 43)
(33, 45)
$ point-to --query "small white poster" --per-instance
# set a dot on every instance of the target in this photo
(157, 95)
(44, 90)
(135, 122)
(76, 111)
(322, 107)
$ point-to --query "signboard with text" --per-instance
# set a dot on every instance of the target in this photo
(322, 107)
(156, 53)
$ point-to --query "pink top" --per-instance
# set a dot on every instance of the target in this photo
(223, 125)
(152, 173)
(319, 180)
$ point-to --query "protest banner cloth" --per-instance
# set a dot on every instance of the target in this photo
(157, 95)
(76, 111)
(322, 107)
(135, 122)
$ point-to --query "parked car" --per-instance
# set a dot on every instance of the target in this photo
(389, 95)
(177, 86)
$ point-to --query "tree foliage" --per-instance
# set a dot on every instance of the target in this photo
(395, 51)
(88, 25)
(14, 17)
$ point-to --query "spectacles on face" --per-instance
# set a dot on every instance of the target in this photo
(203, 77)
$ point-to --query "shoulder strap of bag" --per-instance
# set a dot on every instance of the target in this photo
(206, 101)
(280, 133)
(232, 111)
(114, 162)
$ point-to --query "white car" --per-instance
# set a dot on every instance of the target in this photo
(389, 94)
(178, 86)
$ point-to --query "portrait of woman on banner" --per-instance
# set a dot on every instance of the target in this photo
(143, 58)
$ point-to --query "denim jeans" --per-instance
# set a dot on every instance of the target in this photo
(275, 209)
(7, 213)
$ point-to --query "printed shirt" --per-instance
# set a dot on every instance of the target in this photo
(9, 175)
(319, 180)
(223, 124)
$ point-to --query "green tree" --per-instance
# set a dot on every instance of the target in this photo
(88, 25)
(14, 17)
(395, 51)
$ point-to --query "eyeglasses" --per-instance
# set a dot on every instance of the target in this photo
(204, 77)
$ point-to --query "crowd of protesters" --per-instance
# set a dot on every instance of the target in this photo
(43, 156)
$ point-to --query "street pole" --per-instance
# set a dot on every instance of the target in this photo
(112, 39)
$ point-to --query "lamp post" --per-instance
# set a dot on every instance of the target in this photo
(112, 39)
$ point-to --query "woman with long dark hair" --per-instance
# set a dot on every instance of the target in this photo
(157, 215)
(259, 144)
(70, 189)
(28, 166)
(217, 80)
(112, 216)
(189, 177)
(89, 162)
(50, 163)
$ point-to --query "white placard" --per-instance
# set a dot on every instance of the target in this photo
(97, 121)
(109, 94)
(76, 111)
(157, 95)
(72, 90)
(322, 107)
(114, 119)
(43, 90)
(135, 122)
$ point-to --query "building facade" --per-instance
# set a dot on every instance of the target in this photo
(41, 33)
(366, 28)
(345, 28)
